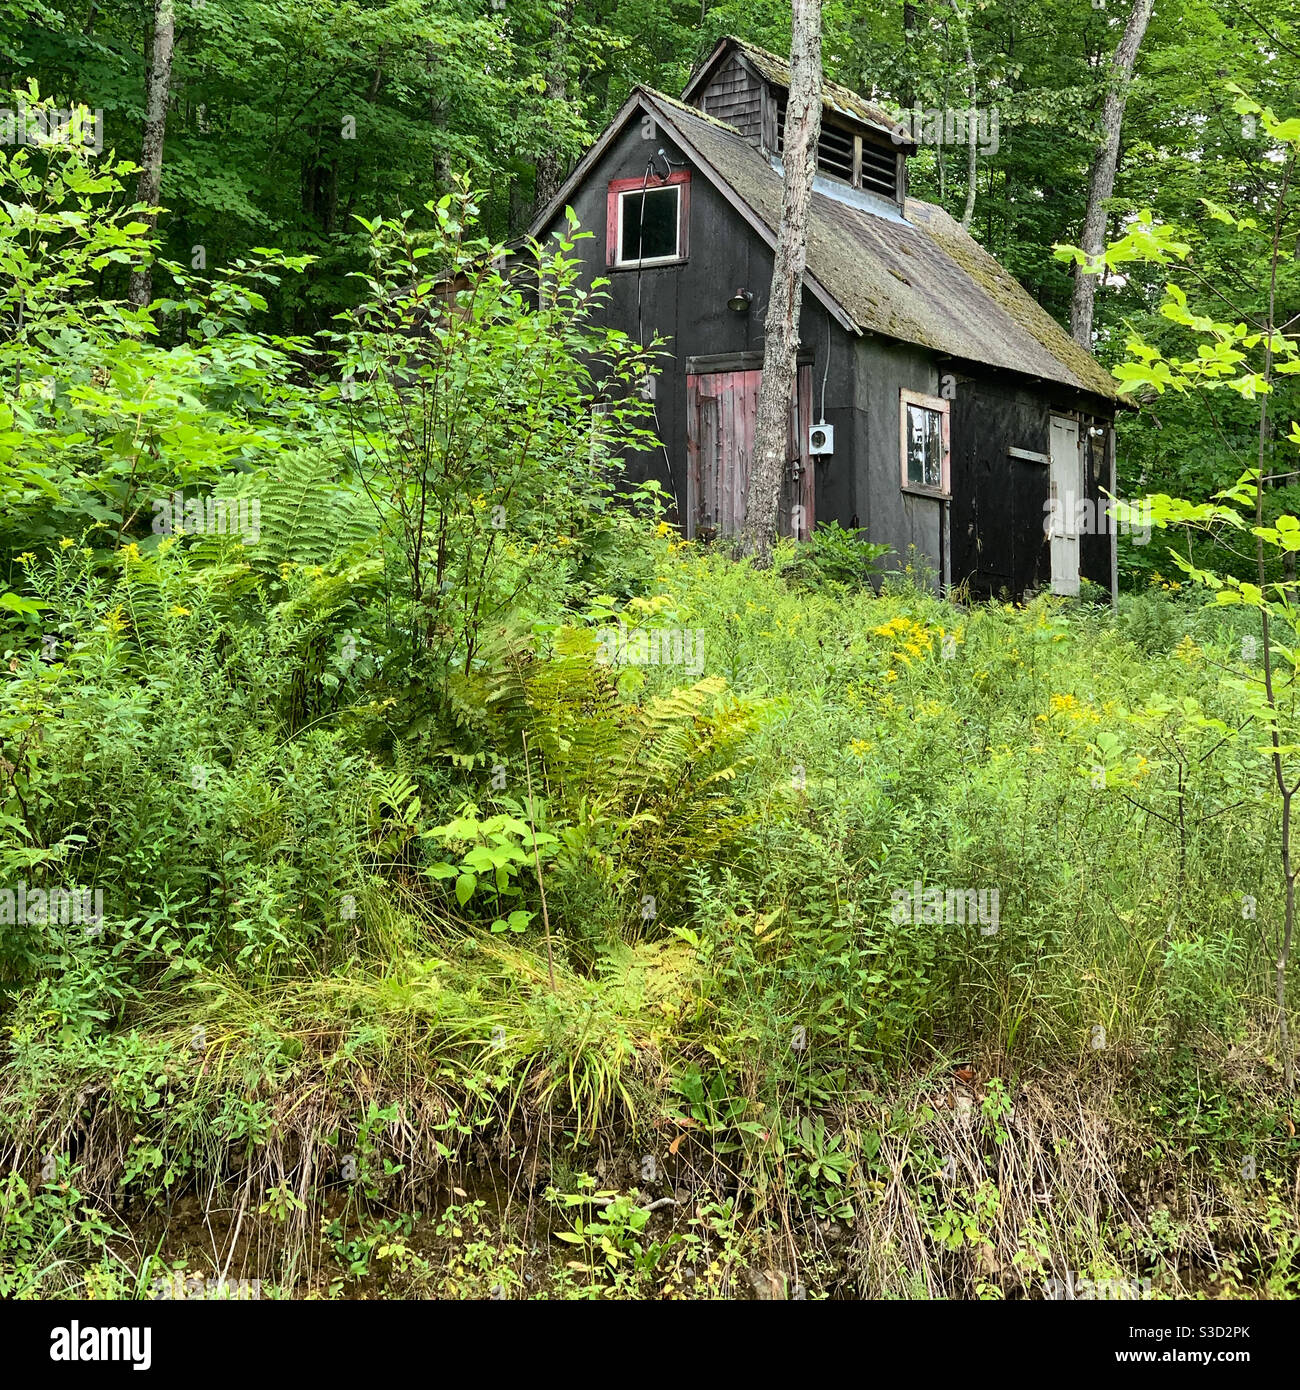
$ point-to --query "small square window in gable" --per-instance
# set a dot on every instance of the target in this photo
(647, 221)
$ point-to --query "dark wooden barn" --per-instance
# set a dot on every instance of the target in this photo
(938, 406)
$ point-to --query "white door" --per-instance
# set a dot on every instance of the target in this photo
(1066, 484)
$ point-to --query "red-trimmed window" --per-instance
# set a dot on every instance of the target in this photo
(647, 221)
(923, 430)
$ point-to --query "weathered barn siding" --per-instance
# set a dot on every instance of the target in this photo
(735, 95)
(687, 304)
(887, 513)
(999, 538)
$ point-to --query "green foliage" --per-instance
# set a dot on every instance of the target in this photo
(832, 555)
(488, 413)
(612, 1237)
(493, 853)
(463, 819)
(45, 1234)
(100, 420)
(1247, 356)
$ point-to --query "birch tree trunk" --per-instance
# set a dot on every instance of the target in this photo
(971, 93)
(803, 125)
(157, 90)
(1101, 181)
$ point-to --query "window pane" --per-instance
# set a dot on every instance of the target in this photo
(924, 447)
(649, 224)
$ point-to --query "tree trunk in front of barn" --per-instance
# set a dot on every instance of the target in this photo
(1101, 182)
(803, 126)
(157, 92)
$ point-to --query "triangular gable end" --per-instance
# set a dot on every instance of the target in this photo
(646, 101)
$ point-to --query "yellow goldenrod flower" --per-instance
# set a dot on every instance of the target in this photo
(1187, 650)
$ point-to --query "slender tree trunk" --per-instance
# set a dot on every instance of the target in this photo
(157, 90)
(550, 167)
(972, 123)
(803, 125)
(1287, 791)
(909, 29)
(1101, 180)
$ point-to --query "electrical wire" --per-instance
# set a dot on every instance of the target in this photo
(640, 325)
(826, 367)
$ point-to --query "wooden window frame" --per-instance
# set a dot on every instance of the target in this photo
(942, 408)
(618, 189)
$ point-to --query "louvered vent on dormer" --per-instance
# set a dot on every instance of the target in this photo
(879, 170)
(848, 157)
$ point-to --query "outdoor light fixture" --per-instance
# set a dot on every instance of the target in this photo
(740, 301)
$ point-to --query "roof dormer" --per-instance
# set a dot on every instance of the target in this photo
(861, 145)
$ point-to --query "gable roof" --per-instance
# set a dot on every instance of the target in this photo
(917, 278)
(775, 69)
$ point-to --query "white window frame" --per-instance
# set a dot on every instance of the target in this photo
(634, 263)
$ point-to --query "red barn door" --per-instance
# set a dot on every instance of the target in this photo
(721, 411)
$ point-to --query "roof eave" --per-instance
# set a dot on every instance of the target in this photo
(1070, 383)
(696, 79)
(819, 291)
(644, 98)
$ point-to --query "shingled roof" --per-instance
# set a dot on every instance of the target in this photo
(918, 278)
(777, 71)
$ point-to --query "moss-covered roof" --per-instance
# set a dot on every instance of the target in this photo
(922, 280)
(685, 109)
